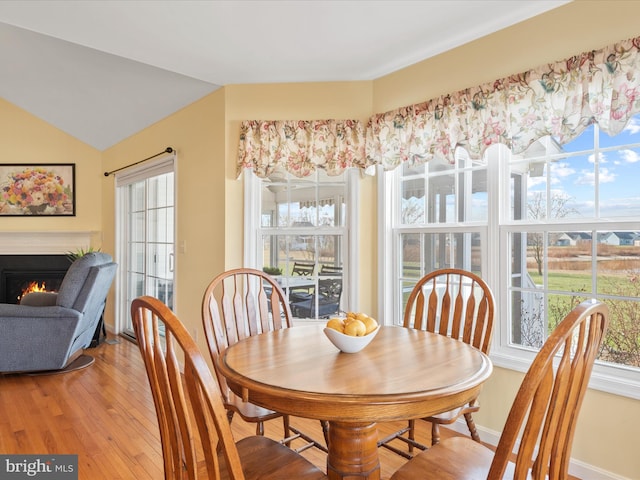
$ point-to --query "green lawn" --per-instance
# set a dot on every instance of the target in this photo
(577, 282)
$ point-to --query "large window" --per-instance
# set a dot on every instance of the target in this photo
(301, 236)
(546, 229)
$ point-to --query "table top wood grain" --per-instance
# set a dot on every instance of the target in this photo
(402, 374)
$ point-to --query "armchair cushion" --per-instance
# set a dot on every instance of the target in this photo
(35, 338)
(76, 276)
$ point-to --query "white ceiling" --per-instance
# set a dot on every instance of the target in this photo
(103, 70)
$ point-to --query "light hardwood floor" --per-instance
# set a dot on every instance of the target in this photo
(105, 415)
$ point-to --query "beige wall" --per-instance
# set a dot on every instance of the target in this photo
(27, 139)
(197, 134)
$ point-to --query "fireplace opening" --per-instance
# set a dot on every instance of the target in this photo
(19, 272)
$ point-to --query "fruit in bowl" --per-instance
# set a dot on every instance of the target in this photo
(353, 333)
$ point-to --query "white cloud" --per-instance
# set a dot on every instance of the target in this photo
(633, 126)
(630, 156)
(606, 176)
(588, 177)
(602, 158)
(561, 170)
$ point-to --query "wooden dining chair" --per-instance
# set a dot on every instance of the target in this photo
(545, 410)
(237, 304)
(197, 441)
(458, 304)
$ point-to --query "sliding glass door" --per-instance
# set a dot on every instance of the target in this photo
(146, 234)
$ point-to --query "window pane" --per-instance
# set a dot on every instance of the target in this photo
(442, 200)
(270, 192)
(136, 227)
(534, 185)
(567, 261)
(622, 343)
(412, 205)
(411, 260)
(478, 210)
(136, 285)
(617, 178)
(157, 224)
(534, 315)
(330, 250)
(137, 196)
(569, 193)
(618, 262)
(572, 188)
(524, 271)
(136, 257)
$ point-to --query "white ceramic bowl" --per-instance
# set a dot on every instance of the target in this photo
(347, 343)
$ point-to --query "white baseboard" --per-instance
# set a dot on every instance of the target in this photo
(577, 468)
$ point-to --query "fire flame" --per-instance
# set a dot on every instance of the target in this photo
(33, 287)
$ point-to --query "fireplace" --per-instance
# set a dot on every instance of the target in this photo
(18, 271)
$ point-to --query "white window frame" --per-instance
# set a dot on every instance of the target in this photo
(618, 379)
(252, 220)
(158, 166)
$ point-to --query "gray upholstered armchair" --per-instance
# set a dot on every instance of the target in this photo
(47, 331)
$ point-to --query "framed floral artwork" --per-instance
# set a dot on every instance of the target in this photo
(39, 189)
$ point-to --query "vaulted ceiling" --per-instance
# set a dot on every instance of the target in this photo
(104, 70)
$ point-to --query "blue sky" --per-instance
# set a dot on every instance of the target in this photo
(618, 173)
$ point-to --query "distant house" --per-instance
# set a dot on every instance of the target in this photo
(570, 239)
(617, 238)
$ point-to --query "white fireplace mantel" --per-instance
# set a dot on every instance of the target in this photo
(43, 243)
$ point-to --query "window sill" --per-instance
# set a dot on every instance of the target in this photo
(616, 380)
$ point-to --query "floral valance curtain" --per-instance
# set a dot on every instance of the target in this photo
(300, 147)
(559, 99)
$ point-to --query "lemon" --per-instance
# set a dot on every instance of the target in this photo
(370, 324)
(355, 328)
(336, 324)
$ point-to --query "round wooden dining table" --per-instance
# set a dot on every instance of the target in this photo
(402, 374)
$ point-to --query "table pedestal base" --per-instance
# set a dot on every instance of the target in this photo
(353, 451)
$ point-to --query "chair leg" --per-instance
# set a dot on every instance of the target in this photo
(260, 428)
(411, 434)
(435, 433)
(472, 427)
(287, 430)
